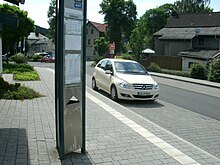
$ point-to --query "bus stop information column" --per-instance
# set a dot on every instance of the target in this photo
(70, 80)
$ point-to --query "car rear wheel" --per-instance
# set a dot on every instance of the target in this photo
(114, 94)
(94, 87)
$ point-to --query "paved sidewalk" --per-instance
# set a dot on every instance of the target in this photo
(115, 135)
(187, 79)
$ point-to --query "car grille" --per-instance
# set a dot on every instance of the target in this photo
(143, 86)
(143, 97)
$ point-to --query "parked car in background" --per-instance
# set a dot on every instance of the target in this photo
(47, 58)
(124, 79)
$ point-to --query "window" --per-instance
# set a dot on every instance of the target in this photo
(91, 31)
(89, 41)
(102, 64)
(201, 41)
(190, 64)
(108, 66)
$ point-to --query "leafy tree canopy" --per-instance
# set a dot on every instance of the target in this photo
(120, 15)
(10, 35)
(152, 21)
(101, 46)
(192, 6)
(51, 14)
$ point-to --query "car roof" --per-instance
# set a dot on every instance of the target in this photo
(118, 59)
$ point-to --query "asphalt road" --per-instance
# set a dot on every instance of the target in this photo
(196, 102)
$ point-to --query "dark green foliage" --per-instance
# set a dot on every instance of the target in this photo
(120, 15)
(19, 58)
(16, 91)
(176, 72)
(192, 6)
(152, 21)
(153, 67)
(101, 46)
(51, 14)
(156, 68)
(128, 56)
(22, 72)
(11, 35)
(214, 71)
(197, 71)
(36, 57)
(14, 68)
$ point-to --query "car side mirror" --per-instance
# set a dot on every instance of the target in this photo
(108, 72)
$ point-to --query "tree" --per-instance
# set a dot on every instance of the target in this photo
(101, 46)
(192, 6)
(152, 21)
(120, 15)
(11, 35)
(51, 13)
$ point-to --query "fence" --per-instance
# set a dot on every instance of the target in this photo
(165, 62)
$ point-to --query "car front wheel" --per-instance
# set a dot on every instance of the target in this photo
(94, 87)
(114, 94)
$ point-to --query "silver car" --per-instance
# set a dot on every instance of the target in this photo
(124, 79)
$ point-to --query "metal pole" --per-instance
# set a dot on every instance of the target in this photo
(60, 76)
(83, 150)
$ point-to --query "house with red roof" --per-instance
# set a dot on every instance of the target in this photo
(94, 30)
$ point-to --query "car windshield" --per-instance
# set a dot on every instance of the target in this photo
(129, 68)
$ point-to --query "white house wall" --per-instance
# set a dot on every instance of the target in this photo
(187, 61)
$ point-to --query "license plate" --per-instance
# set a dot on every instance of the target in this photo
(143, 93)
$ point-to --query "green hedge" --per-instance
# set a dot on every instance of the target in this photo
(214, 71)
(197, 71)
(23, 72)
(26, 76)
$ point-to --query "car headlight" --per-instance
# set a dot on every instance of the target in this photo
(156, 86)
(125, 85)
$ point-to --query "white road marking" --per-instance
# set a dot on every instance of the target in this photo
(164, 146)
(52, 70)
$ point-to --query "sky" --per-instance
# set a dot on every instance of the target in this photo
(37, 9)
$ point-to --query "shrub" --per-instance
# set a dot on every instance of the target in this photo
(26, 76)
(23, 72)
(153, 67)
(11, 68)
(176, 72)
(214, 71)
(197, 71)
(19, 58)
(22, 93)
(128, 56)
(16, 91)
(36, 57)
